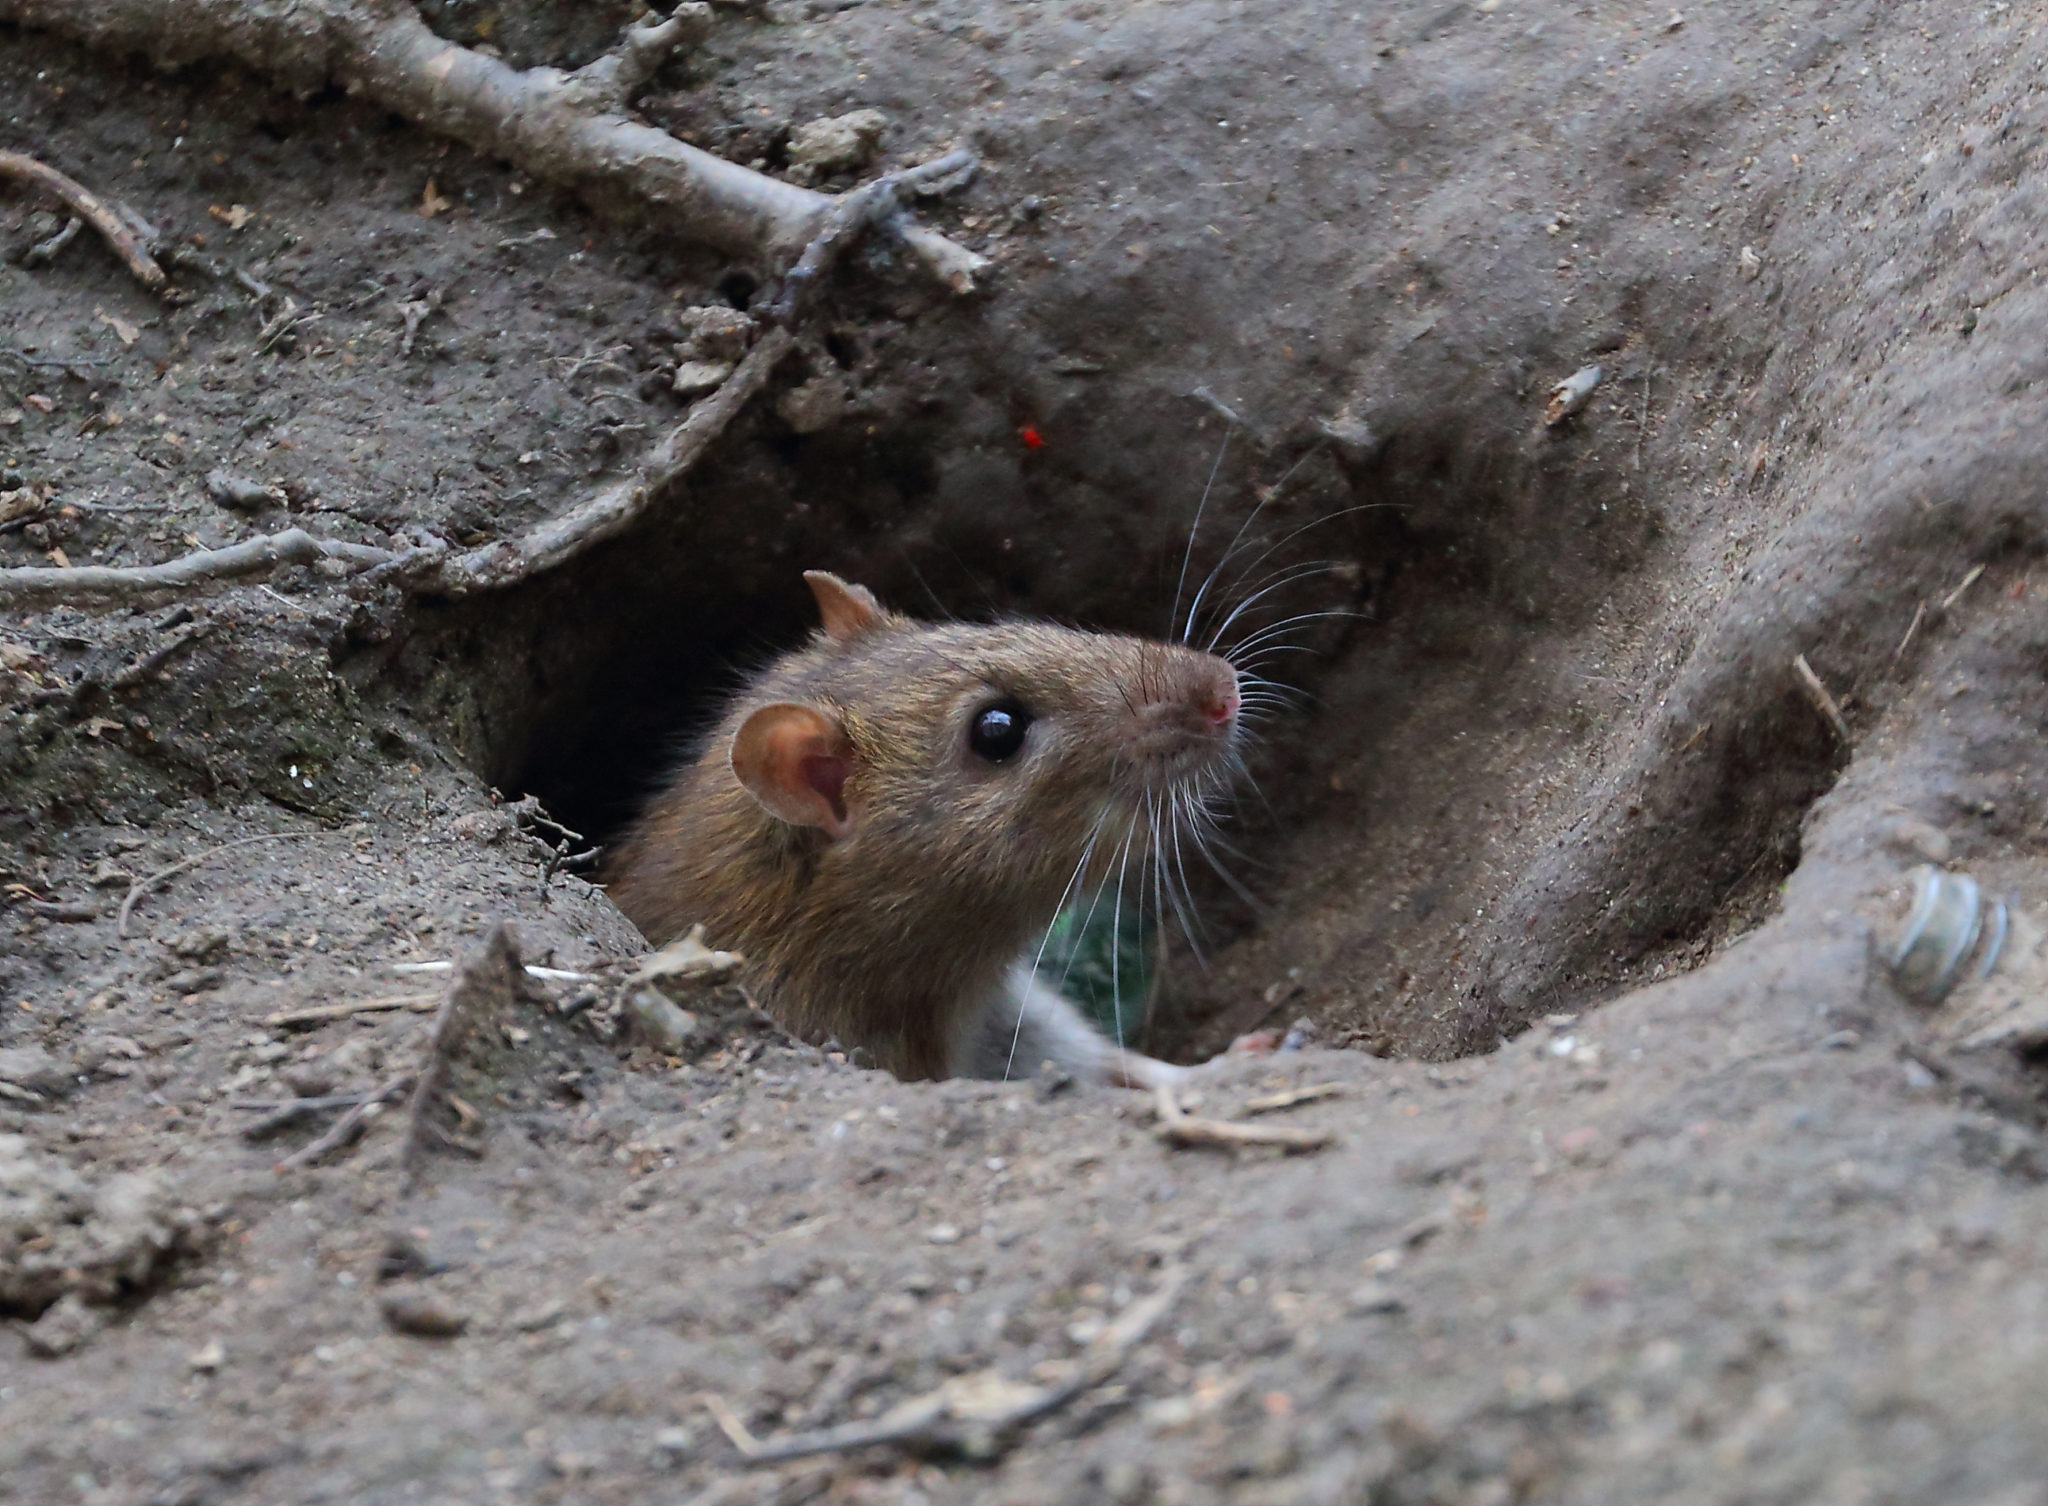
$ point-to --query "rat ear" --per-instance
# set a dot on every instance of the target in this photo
(795, 760)
(848, 610)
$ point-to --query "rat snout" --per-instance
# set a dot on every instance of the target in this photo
(1185, 713)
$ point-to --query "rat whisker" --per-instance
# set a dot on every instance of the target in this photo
(1286, 579)
(1266, 495)
(1194, 528)
(1274, 630)
(1328, 517)
(1038, 957)
(1289, 574)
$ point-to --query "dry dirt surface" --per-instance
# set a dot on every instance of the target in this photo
(1646, 1182)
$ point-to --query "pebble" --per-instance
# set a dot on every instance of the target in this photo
(66, 1324)
(943, 1234)
(422, 1315)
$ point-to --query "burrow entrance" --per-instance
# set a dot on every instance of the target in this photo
(1502, 626)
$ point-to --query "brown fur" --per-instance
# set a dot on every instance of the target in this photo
(887, 937)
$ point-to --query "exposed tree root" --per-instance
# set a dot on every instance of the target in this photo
(117, 225)
(614, 510)
(43, 585)
(563, 127)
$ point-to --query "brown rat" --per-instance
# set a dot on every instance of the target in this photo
(886, 820)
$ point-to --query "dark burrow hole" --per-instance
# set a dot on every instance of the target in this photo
(1455, 714)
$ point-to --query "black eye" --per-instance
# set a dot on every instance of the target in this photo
(997, 731)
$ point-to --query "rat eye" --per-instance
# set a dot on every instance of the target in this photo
(997, 731)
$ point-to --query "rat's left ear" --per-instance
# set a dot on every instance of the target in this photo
(795, 761)
(848, 610)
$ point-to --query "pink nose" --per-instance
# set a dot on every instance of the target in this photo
(1221, 707)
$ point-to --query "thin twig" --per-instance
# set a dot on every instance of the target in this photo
(282, 1116)
(143, 885)
(1956, 595)
(291, 1018)
(38, 585)
(1899, 653)
(1816, 692)
(1274, 1102)
(45, 251)
(619, 506)
(348, 1128)
(850, 217)
(1176, 1128)
(975, 1414)
(114, 227)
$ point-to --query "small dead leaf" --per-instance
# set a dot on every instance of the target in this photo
(431, 202)
(235, 216)
(125, 332)
(40, 403)
(99, 724)
(60, 559)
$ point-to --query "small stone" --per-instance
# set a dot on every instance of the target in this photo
(65, 1325)
(662, 1024)
(673, 1447)
(540, 1315)
(313, 1079)
(1374, 1296)
(943, 1234)
(34, 1069)
(815, 405)
(836, 144)
(209, 1357)
(1917, 840)
(714, 332)
(422, 1315)
(695, 378)
(202, 943)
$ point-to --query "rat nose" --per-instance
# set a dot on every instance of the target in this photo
(1221, 705)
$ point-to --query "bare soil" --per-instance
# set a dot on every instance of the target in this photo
(1647, 1184)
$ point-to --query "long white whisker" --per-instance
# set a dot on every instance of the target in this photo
(1246, 605)
(1087, 852)
(1173, 628)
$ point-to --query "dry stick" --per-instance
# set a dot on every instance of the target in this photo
(288, 1018)
(564, 127)
(1816, 692)
(113, 227)
(282, 1116)
(38, 585)
(1274, 1102)
(1176, 1128)
(1899, 653)
(348, 1128)
(143, 885)
(973, 1413)
(621, 505)
(1956, 595)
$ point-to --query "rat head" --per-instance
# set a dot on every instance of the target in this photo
(991, 765)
